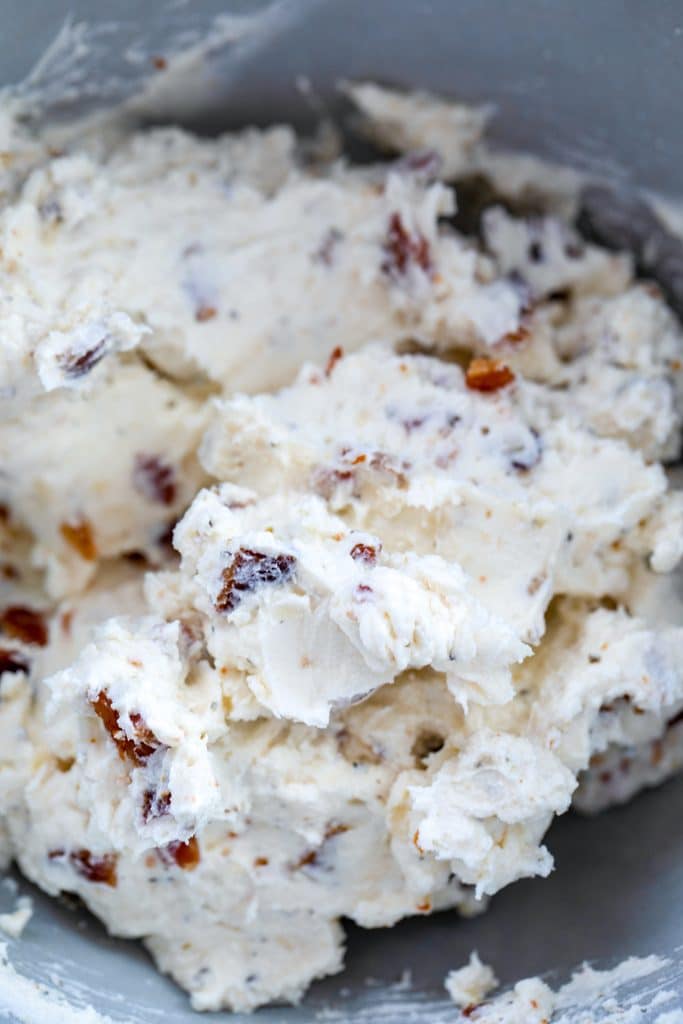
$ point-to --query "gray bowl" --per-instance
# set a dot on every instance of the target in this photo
(594, 84)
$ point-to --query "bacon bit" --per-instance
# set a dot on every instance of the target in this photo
(335, 830)
(155, 479)
(401, 249)
(65, 764)
(324, 479)
(657, 752)
(190, 636)
(260, 862)
(424, 907)
(308, 858)
(423, 162)
(326, 249)
(185, 855)
(249, 570)
(515, 337)
(94, 868)
(204, 313)
(137, 749)
(488, 375)
(12, 661)
(386, 464)
(80, 537)
(74, 366)
(362, 592)
(335, 355)
(66, 620)
(155, 804)
(364, 553)
(468, 1010)
(160, 63)
(24, 624)
(534, 1003)
(145, 738)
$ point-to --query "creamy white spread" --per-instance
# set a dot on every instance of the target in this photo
(469, 985)
(13, 922)
(600, 996)
(422, 533)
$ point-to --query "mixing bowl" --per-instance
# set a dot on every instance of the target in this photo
(596, 85)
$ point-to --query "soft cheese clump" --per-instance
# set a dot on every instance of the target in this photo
(421, 594)
(419, 451)
(96, 475)
(468, 985)
(308, 609)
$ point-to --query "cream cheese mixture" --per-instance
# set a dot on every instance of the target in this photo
(337, 547)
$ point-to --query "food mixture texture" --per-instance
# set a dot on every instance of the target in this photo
(337, 544)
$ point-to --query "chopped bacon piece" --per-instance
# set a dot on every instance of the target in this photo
(137, 748)
(154, 804)
(515, 337)
(249, 570)
(93, 867)
(488, 375)
(335, 355)
(204, 313)
(364, 553)
(184, 855)
(80, 537)
(155, 479)
(401, 249)
(24, 624)
(74, 366)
